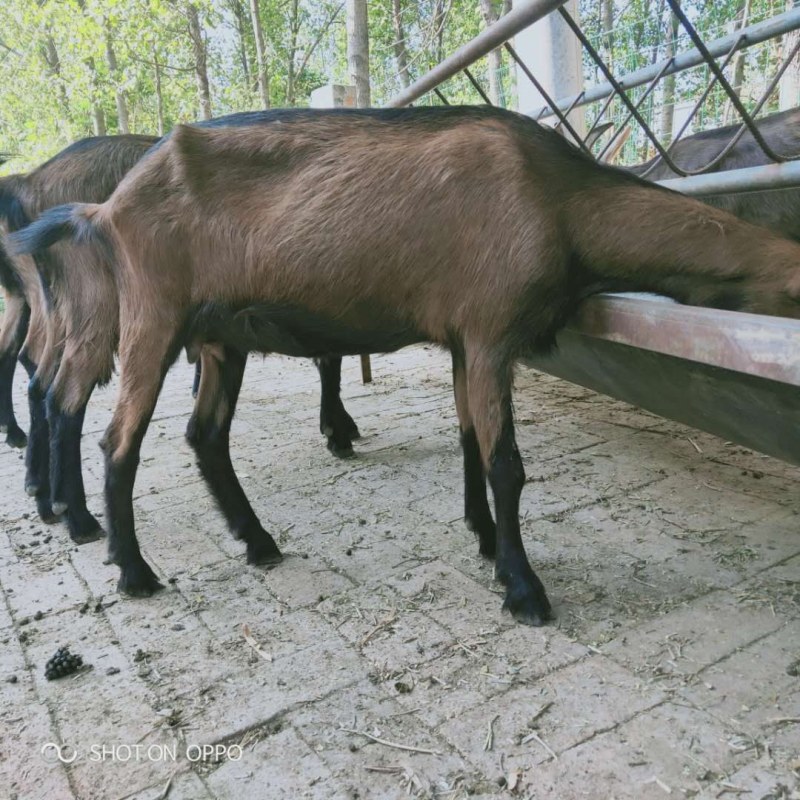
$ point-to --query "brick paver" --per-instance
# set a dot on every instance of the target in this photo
(672, 559)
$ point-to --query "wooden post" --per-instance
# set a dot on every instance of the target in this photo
(358, 65)
(338, 96)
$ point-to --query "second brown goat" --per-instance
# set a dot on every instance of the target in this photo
(346, 233)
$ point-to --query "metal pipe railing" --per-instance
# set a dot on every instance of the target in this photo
(753, 34)
(750, 179)
(492, 37)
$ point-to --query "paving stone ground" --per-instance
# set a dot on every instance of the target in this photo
(672, 558)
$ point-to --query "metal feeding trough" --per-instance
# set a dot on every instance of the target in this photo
(732, 374)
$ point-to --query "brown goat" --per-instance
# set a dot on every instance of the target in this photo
(76, 327)
(346, 233)
(87, 170)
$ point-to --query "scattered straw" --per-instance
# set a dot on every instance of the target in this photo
(658, 782)
(248, 637)
(396, 745)
(534, 737)
(488, 743)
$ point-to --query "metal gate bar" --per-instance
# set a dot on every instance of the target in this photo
(736, 375)
(752, 34)
(522, 16)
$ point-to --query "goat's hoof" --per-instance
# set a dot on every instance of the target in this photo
(84, 528)
(31, 489)
(16, 438)
(262, 551)
(528, 605)
(45, 511)
(138, 580)
(349, 427)
(341, 450)
(59, 507)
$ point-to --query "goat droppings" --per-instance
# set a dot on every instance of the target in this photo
(63, 663)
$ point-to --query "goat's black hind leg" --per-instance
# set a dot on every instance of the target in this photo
(196, 381)
(15, 436)
(15, 327)
(37, 455)
(334, 422)
(209, 435)
(66, 476)
(477, 515)
(489, 388)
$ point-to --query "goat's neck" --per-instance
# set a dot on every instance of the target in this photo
(646, 240)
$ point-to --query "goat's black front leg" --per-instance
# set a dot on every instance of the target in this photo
(37, 456)
(334, 421)
(66, 475)
(209, 435)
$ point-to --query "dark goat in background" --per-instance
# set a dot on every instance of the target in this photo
(362, 232)
(777, 209)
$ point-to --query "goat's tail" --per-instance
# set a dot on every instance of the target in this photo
(74, 222)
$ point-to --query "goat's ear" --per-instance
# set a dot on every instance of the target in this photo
(595, 135)
(189, 141)
(190, 154)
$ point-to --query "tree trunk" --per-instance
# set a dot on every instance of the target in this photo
(200, 61)
(159, 94)
(400, 52)
(607, 25)
(50, 55)
(261, 55)
(438, 23)
(358, 50)
(738, 67)
(294, 32)
(513, 100)
(668, 107)
(98, 116)
(122, 106)
(495, 56)
(789, 85)
(239, 15)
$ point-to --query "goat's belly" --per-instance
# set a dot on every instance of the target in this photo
(296, 332)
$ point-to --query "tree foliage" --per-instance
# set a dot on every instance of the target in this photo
(70, 68)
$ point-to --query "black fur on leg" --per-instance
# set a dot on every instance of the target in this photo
(37, 455)
(526, 598)
(15, 436)
(476, 505)
(196, 381)
(66, 476)
(136, 579)
(208, 433)
(334, 422)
